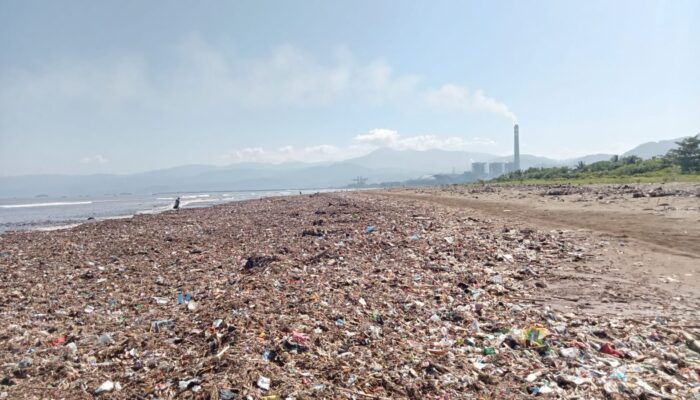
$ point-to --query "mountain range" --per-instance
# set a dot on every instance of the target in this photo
(381, 165)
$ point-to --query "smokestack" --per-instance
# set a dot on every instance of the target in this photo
(516, 144)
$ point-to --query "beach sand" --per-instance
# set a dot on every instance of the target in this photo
(398, 294)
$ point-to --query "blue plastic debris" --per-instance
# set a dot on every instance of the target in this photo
(183, 299)
(619, 375)
(369, 229)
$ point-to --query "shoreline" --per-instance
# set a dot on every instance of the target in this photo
(329, 294)
(189, 201)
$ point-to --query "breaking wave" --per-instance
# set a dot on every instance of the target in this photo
(55, 204)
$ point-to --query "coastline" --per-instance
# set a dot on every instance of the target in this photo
(45, 215)
(327, 296)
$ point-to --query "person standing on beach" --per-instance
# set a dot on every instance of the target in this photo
(177, 204)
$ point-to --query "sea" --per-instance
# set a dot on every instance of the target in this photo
(48, 213)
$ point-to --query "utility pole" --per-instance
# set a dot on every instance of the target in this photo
(359, 181)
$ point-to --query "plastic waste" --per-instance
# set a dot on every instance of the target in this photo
(106, 386)
(608, 348)
(183, 298)
(157, 326)
(343, 315)
(618, 375)
(227, 394)
(489, 351)
(160, 300)
(264, 383)
(569, 352)
(72, 347)
(105, 339)
(535, 335)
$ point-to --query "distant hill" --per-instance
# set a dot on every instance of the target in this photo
(528, 161)
(200, 178)
(381, 165)
(589, 159)
(428, 161)
(651, 149)
(441, 161)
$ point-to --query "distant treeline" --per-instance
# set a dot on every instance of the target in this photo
(684, 159)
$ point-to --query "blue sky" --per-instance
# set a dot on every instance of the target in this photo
(128, 86)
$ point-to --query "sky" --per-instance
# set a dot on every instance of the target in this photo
(128, 86)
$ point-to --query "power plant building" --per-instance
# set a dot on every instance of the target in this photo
(496, 169)
(479, 168)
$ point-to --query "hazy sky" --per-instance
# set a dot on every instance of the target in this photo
(125, 86)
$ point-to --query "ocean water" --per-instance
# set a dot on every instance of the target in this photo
(46, 213)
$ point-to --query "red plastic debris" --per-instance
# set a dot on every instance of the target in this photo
(58, 341)
(610, 349)
(299, 338)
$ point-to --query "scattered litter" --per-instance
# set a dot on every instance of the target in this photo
(107, 386)
(261, 311)
(264, 383)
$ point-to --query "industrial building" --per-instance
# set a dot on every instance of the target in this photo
(479, 169)
(496, 169)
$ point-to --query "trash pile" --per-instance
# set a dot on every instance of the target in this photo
(598, 192)
(333, 296)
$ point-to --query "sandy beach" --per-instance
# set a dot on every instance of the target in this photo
(459, 293)
(651, 232)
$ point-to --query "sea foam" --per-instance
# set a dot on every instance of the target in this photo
(54, 204)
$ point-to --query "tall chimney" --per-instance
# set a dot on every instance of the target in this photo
(516, 154)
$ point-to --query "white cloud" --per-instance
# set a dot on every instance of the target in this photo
(316, 153)
(96, 159)
(204, 85)
(391, 138)
(286, 149)
(379, 137)
(204, 77)
(362, 144)
(458, 98)
(248, 154)
(322, 150)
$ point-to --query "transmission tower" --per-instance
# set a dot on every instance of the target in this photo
(360, 181)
